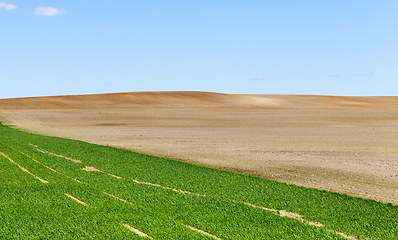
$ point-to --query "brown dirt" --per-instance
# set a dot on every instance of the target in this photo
(342, 144)
(90, 169)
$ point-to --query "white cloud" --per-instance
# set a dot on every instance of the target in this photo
(47, 11)
(7, 7)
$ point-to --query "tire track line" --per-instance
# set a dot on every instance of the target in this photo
(283, 213)
(23, 169)
(120, 199)
(77, 200)
(136, 231)
(42, 164)
(57, 155)
(168, 188)
(93, 169)
(202, 232)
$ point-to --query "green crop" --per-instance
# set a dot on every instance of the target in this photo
(46, 193)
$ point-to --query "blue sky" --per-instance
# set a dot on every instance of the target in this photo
(339, 47)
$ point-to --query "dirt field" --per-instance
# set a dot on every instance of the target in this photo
(342, 144)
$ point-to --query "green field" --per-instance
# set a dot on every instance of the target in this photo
(46, 193)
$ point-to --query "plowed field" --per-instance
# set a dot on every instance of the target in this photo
(342, 144)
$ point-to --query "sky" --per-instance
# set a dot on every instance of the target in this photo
(69, 47)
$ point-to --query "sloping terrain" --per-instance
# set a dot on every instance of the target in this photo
(55, 188)
(137, 100)
(342, 144)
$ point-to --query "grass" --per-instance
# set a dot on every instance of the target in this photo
(30, 209)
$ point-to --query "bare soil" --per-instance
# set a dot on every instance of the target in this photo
(341, 144)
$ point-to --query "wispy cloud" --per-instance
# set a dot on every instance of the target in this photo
(47, 11)
(261, 79)
(7, 7)
(335, 76)
(370, 73)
